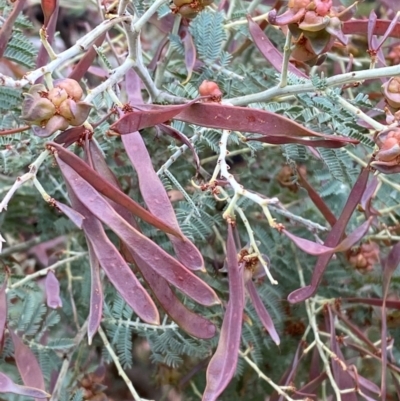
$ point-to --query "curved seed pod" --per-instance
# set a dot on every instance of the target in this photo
(52, 291)
(96, 294)
(222, 366)
(268, 50)
(141, 247)
(262, 312)
(117, 270)
(195, 325)
(107, 189)
(190, 54)
(3, 310)
(27, 364)
(8, 386)
(72, 214)
(333, 239)
(157, 200)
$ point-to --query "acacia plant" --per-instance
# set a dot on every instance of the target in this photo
(199, 200)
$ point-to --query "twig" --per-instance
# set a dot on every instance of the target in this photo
(65, 365)
(120, 370)
(277, 388)
(31, 175)
(43, 272)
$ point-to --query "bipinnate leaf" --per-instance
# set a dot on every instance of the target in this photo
(262, 312)
(48, 7)
(52, 287)
(27, 364)
(142, 248)
(314, 248)
(3, 309)
(223, 363)
(114, 265)
(107, 189)
(268, 50)
(157, 200)
(333, 239)
(190, 322)
(8, 386)
(96, 293)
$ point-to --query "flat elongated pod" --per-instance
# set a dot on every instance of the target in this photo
(223, 363)
(8, 386)
(157, 200)
(142, 248)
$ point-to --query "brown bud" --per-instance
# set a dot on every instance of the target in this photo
(54, 124)
(37, 110)
(389, 145)
(57, 96)
(188, 11)
(297, 4)
(72, 87)
(75, 113)
(313, 22)
(210, 88)
(180, 3)
(391, 91)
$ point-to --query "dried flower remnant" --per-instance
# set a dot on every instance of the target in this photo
(189, 8)
(315, 26)
(365, 257)
(55, 109)
(391, 91)
(387, 158)
(211, 89)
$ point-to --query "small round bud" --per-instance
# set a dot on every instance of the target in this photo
(72, 87)
(210, 88)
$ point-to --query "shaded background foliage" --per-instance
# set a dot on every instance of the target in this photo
(38, 236)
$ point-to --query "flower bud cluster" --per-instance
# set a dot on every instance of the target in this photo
(54, 109)
(387, 158)
(315, 26)
(189, 8)
(365, 257)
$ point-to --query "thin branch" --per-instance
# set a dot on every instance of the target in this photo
(117, 363)
(43, 272)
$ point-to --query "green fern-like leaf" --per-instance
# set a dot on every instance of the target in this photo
(21, 50)
(208, 34)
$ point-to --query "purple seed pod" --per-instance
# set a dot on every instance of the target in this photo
(157, 200)
(8, 386)
(27, 364)
(223, 363)
(52, 287)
